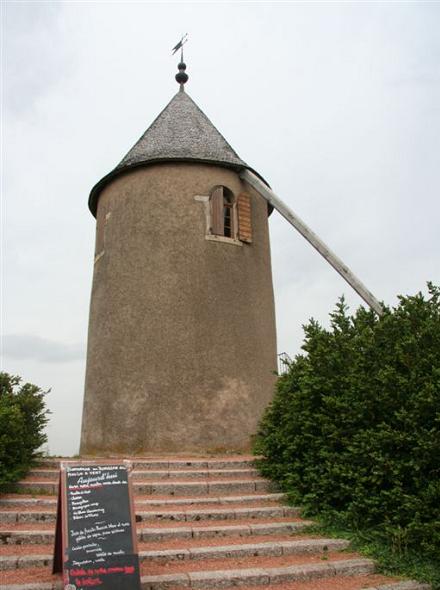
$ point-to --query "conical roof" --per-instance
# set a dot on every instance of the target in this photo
(183, 133)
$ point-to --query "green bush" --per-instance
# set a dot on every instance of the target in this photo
(353, 432)
(23, 417)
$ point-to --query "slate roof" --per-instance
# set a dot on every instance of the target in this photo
(182, 132)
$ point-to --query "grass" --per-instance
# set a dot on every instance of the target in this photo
(391, 560)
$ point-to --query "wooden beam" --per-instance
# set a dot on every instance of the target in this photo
(313, 239)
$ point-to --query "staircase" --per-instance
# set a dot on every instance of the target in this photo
(202, 522)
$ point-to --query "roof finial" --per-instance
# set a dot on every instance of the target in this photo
(181, 76)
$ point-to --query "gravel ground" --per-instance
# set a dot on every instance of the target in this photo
(157, 569)
(336, 583)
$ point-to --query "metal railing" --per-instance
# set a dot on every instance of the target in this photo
(284, 362)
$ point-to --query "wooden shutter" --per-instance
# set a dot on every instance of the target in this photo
(244, 217)
(217, 218)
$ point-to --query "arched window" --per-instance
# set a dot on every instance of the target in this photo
(223, 215)
(228, 214)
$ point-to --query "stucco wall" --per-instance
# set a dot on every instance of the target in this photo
(182, 345)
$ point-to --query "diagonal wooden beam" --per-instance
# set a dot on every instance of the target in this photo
(313, 239)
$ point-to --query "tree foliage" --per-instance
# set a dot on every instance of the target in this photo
(23, 416)
(354, 428)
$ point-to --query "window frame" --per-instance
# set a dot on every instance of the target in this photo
(221, 200)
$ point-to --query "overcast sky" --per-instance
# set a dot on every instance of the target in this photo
(336, 104)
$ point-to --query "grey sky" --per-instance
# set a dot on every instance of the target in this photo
(337, 105)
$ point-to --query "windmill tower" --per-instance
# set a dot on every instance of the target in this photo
(182, 344)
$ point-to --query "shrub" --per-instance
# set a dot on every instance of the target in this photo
(23, 417)
(353, 431)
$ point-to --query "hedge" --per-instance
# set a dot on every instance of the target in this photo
(353, 432)
(23, 416)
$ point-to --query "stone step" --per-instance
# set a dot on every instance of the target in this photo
(342, 582)
(220, 514)
(21, 501)
(32, 516)
(39, 473)
(232, 569)
(250, 498)
(202, 487)
(159, 474)
(336, 582)
(37, 486)
(269, 548)
(258, 576)
(310, 581)
(225, 578)
(202, 522)
(237, 462)
(176, 487)
(20, 535)
(141, 474)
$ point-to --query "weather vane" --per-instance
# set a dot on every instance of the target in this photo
(181, 76)
(180, 45)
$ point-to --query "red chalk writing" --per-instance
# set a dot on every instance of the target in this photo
(88, 582)
(102, 571)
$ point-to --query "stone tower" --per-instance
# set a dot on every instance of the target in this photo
(181, 345)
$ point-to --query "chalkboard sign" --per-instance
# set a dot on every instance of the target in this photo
(96, 543)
